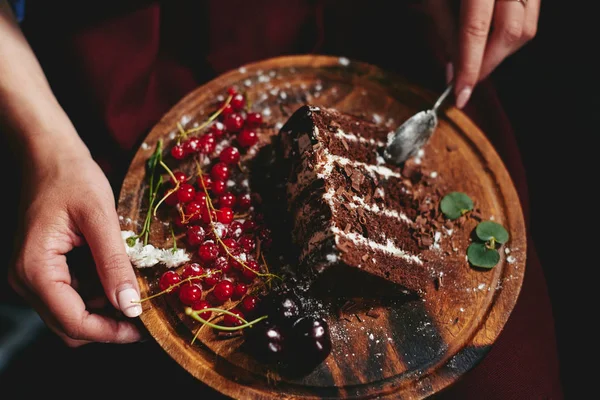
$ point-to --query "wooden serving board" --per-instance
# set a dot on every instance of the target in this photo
(409, 351)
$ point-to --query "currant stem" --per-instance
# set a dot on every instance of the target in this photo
(212, 117)
(173, 286)
(195, 315)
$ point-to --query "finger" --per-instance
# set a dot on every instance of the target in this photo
(103, 234)
(475, 20)
(532, 15)
(506, 35)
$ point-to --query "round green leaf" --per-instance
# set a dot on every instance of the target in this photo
(487, 230)
(480, 255)
(455, 204)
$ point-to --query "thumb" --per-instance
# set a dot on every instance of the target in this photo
(102, 232)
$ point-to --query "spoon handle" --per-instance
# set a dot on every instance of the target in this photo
(442, 97)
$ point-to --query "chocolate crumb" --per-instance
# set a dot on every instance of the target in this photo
(345, 144)
(427, 241)
(347, 228)
(451, 147)
(365, 257)
(358, 318)
(373, 314)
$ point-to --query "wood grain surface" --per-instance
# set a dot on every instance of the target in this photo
(412, 349)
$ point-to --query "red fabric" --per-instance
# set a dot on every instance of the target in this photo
(133, 63)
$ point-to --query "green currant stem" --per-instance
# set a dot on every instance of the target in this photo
(170, 288)
(246, 324)
(212, 117)
(170, 191)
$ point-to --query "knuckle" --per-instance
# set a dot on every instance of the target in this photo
(476, 28)
(512, 32)
(115, 264)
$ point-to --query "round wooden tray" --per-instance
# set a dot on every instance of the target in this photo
(422, 346)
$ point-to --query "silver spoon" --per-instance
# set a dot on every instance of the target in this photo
(414, 132)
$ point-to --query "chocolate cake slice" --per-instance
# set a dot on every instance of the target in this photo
(350, 210)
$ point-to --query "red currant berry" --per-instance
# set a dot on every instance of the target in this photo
(168, 279)
(186, 193)
(247, 138)
(223, 290)
(212, 279)
(238, 101)
(232, 91)
(208, 216)
(239, 291)
(249, 303)
(191, 146)
(177, 152)
(207, 143)
(254, 120)
(200, 197)
(217, 129)
(222, 264)
(230, 320)
(227, 200)
(193, 210)
(230, 155)
(244, 202)
(249, 226)
(219, 187)
(189, 293)
(235, 230)
(220, 171)
(192, 269)
(247, 243)
(208, 251)
(195, 235)
(179, 220)
(251, 269)
(225, 215)
(204, 182)
(233, 122)
(172, 199)
(227, 109)
(179, 177)
(231, 244)
(202, 305)
(238, 258)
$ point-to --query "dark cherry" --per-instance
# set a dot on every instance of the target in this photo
(227, 200)
(186, 193)
(189, 293)
(247, 243)
(217, 129)
(239, 291)
(254, 120)
(225, 215)
(208, 251)
(235, 230)
(177, 152)
(201, 305)
(233, 122)
(266, 341)
(312, 339)
(230, 320)
(238, 101)
(247, 138)
(168, 279)
(219, 187)
(207, 144)
(244, 202)
(191, 146)
(192, 269)
(230, 155)
(284, 306)
(223, 290)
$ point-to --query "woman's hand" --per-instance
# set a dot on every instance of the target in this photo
(70, 203)
(481, 36)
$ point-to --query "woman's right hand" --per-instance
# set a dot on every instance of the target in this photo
(68, 202)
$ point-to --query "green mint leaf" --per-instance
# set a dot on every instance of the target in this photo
(455, 204)
(488, 230)
(480, 255)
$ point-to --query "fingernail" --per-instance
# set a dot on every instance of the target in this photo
(449, 72)
(127, 299)
(463, 97)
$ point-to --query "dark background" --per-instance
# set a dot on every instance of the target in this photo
(541, 87)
